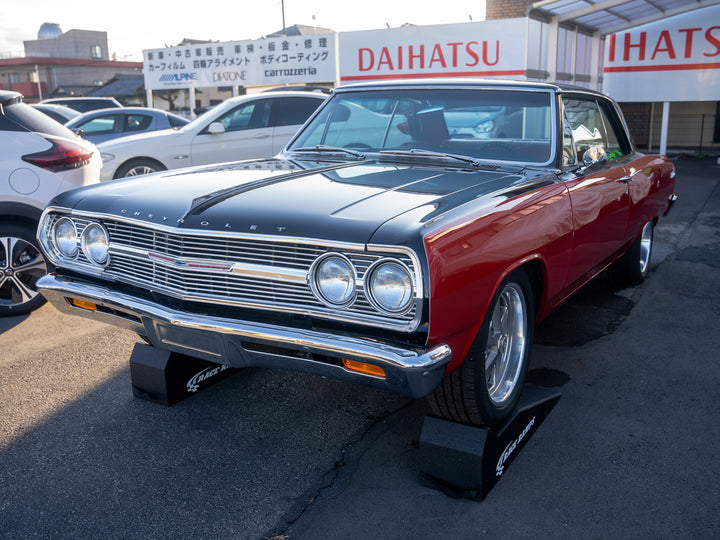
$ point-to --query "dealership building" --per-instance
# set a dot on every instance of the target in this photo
(660, 59)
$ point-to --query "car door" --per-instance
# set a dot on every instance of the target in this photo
(247, 135)
(288, 114)
(600, 198)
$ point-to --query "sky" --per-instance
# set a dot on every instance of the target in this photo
(135, 25)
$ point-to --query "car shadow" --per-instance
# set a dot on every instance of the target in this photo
(596, 311)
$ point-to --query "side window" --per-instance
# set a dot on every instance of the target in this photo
(618, 143)
(585, 123)
(589, 123)
(569, 157)
(137, 122)
(291, 111)
(253, 115)
(101, 125)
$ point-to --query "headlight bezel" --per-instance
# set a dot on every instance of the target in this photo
(371, 293)
(317, 289)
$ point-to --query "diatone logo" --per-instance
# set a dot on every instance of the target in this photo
(510, 448)
(193, 385)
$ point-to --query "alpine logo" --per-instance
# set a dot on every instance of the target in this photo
(178, 77)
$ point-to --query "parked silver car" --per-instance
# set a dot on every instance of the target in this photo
(106, 124)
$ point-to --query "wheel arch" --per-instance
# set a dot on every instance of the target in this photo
(138, 159)
(12, 212)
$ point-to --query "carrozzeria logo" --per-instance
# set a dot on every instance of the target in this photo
(178, 77)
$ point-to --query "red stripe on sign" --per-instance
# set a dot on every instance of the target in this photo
(668, 67)
(434, 75)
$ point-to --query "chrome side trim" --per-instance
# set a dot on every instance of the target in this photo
(410, 371)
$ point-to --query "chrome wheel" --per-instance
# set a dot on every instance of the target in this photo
(506, 344)
(138, 167)
(139, 170)
(21, 265)
(646, 241)
(486, 387)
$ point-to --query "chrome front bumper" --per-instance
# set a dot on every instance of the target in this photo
(410, 371)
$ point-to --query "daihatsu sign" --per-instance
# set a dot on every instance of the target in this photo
(674, 59)
(481, 49)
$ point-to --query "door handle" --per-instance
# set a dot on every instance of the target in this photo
(262, 136)
(624, 179)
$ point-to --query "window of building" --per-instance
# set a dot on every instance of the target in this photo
(96, 51)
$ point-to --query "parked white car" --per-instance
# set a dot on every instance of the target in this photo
(256, 126)
(39, 158)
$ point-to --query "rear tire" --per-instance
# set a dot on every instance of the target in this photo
(138, 167)
(21, 265)
(486, 387)
(632, 268)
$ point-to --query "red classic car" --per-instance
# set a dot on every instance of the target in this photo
(409, 237)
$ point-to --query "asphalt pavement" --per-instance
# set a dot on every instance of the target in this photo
(629, 451)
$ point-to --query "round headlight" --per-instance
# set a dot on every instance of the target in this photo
(390, 286)
(333, 280)
(95, 243)
(65, 236)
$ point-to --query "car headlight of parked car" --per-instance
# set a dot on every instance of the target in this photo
(65, 237)
(95, 243)
(333, 280)
(390, 286)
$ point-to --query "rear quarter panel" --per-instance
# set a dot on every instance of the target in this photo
(652, 185)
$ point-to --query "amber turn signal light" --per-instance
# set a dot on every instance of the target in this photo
(82, 304)
(362, 367)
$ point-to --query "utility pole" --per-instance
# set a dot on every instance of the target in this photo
(282, 4)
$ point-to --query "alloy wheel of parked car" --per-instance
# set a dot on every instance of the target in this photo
(21, 265)
(487, 386)
(138, 167)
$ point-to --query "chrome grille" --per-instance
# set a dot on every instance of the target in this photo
(130, 243)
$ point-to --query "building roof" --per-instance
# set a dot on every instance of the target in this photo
(299, 30)
(610, 16)
(120, 85)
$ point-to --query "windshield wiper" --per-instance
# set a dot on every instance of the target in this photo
(322, 149)
(430, 154)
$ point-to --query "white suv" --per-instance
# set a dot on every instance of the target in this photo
(39, 158)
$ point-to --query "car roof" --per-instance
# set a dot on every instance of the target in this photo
(466, 82)
(7, 97)
(277, 93)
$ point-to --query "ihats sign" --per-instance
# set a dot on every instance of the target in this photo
(674, 59)
(481, 49)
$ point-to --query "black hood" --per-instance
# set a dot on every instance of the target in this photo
(344, 202)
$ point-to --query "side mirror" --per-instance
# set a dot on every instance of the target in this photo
(216, 128)
(594, 159)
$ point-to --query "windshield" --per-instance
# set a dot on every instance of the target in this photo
(502, 125)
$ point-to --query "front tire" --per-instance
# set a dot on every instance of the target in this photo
(21, 265)
(486, 387)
